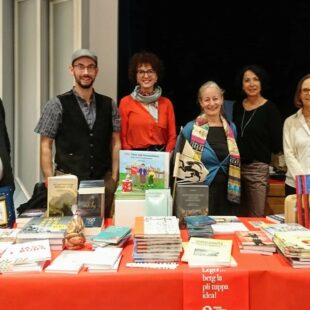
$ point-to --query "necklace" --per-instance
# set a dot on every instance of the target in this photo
(243, 126)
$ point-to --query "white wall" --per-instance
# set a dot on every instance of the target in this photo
(41, 62)
(103, 38)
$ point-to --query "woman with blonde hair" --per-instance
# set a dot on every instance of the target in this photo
(213, 139)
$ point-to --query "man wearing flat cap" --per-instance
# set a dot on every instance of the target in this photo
(85, 127)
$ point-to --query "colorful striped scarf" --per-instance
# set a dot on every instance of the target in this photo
(198, 140)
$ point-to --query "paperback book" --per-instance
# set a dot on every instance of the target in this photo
(228, 228)
(91, 198)
(271, 229)
(276, 218)
(61, 195)
(92, 225)
(256, 242)
(112, 234)
(44, 228)
(191, 199)
(68, 261)
(144, 169)
(25, 255)
(158, 202)
(208, 252)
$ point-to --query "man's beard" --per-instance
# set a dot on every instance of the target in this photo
(85, 86)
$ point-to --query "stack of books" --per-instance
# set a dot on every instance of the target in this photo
(255, 242)
(68, 261)
(26, 257)
(100, 260)
(112, 236)
(104, 260)
(276, 218)
(271, 229)
(157, 239)
(7, 237)
(295, 247)
(50, 228)
(199, 226)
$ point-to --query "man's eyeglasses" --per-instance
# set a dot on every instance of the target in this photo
(90, 68)
(305, 90)
(147, 72)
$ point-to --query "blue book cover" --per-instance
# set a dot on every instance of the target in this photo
(199, 221)
(112, 234)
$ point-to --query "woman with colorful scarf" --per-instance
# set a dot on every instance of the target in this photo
(213, 139)
(147, 118)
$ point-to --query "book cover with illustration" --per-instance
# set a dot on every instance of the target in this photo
(61, 195)
(141, 170)
(209, 252)
(191, 199)
(91, 198)
(44, 228)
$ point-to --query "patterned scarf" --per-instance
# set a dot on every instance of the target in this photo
(148, 100)
(198, 139)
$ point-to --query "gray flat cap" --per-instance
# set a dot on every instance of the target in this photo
(83, 52)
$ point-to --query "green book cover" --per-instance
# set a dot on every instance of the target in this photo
(112, 234)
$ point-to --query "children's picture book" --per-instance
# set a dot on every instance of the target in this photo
(61, 194)
(144, 170)
(91, 198)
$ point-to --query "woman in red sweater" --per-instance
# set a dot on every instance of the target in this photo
(147, 118)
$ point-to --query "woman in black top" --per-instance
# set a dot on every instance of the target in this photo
(259, 128)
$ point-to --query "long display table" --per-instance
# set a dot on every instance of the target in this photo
(259, 282)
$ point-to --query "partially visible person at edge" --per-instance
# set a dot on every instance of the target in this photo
(147, 118)
(7, 185)
(6, 174)
(296, 136)
(213, 139)
(259, 127)
(85, 126)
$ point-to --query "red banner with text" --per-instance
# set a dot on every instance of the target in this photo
(215, 289)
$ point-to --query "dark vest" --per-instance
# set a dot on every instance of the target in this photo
(81, 151)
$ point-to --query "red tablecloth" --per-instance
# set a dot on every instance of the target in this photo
(273, 284)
